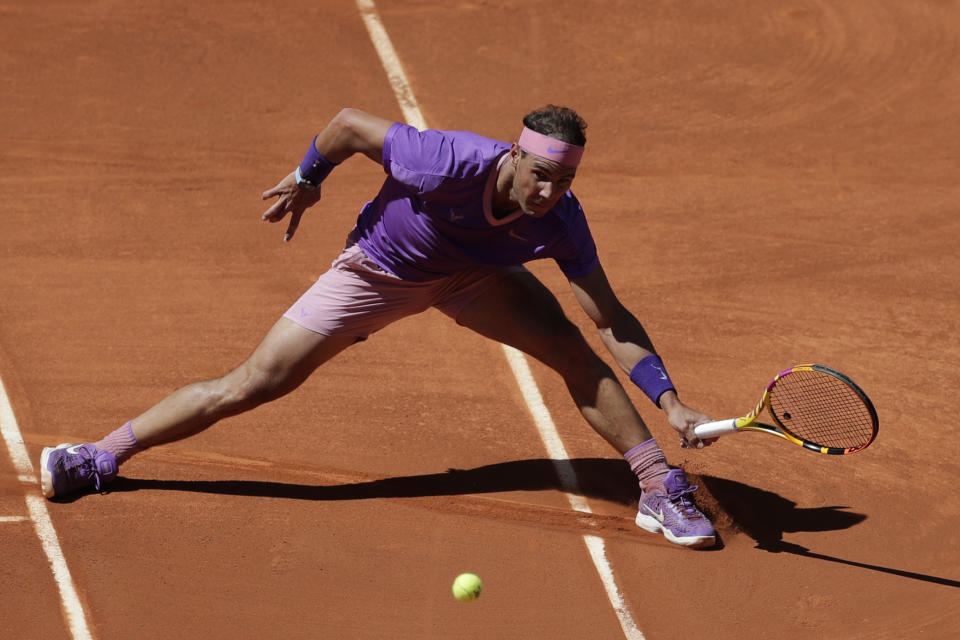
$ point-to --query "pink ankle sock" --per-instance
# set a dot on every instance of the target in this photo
(649, 463)
(121, 443)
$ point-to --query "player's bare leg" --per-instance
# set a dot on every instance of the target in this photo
(519, 311)
(282, 362)
(284, 359)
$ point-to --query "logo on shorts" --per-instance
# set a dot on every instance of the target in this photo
(304, 312)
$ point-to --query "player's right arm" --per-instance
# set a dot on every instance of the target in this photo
(629, 344)
(351, 131)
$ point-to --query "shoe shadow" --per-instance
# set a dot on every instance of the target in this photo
(599, 478)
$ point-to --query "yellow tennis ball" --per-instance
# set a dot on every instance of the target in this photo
(467, 587)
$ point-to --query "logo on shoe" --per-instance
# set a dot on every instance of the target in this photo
(74, 450)
(656, 514)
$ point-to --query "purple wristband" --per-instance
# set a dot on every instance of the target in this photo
(650, 375)
(314, 168)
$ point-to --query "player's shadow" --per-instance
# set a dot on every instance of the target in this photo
(734, 506)
(601, 478)
(763, 515)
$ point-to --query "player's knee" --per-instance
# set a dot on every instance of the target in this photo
(568, 352)
(248, 387)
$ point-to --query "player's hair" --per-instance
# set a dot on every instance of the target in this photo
(561, 123)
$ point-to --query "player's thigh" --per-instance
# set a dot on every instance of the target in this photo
(286, 356)
(519, 311)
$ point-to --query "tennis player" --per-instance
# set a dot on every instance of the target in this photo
(455, 219)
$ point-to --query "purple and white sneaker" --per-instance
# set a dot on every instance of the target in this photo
(67, 468)
(674, 514)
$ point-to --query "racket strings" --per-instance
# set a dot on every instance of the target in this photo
(823, 409)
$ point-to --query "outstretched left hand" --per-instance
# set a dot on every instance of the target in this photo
(292, 200)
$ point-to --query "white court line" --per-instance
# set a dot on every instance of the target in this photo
(570, 484)
(518, 364)
(13, 518)
(37, 506)
(391, 64)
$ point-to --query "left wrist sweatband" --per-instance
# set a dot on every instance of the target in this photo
(314, 168)
(651, 376)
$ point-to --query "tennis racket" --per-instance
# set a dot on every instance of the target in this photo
(813, 406)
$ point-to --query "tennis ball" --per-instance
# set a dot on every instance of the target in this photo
(467, 587)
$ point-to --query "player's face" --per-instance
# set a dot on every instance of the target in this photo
(538, 183)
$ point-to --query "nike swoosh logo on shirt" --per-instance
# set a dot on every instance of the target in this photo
(513, 234)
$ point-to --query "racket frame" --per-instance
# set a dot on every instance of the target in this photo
(749, 422)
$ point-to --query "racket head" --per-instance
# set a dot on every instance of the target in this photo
(822, 410)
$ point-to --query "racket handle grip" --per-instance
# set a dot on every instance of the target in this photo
(716, 428)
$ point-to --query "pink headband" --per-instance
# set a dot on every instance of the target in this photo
(550, 148)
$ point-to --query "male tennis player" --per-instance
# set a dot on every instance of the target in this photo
(455, 218)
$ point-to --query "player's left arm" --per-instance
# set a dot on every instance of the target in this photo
(629, 344)
(350, 132)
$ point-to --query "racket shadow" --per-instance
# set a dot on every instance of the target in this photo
(766, 516)
(796, 549)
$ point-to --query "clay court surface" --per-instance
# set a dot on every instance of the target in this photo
(769, 183)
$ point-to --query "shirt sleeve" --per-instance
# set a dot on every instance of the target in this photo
(577, 255)
(418, 159)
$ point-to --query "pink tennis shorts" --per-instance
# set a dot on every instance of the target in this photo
(355, 297)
